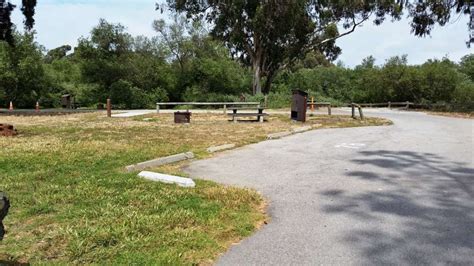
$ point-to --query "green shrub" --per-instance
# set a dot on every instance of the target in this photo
(463, 96)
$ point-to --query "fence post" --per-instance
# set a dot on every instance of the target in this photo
(361, 113)
(312, 104)
(353, 110)
(109, 108)
(408, 105)
(37, 107)
(329, 110)
(225, 109)
(10, 108)
(389, 105)
(158, 108)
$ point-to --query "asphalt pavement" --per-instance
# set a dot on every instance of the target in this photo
(397, 195)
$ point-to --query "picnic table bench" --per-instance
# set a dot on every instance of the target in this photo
(259, 114)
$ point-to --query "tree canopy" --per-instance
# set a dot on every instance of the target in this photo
(6, 26)
(252, 44)
(269, 35)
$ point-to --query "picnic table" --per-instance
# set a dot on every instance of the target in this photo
(249, 113)
(224, 104)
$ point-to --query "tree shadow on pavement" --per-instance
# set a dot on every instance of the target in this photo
(423, 215)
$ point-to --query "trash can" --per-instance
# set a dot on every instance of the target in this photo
(299, 105)
(67, 101)
(182, 117)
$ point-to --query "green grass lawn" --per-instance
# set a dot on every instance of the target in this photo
(72, 201)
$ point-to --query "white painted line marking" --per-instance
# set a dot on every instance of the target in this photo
(351, 145)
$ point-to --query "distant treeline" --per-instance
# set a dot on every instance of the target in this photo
(183, 63)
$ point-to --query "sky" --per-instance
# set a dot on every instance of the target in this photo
(60, 22)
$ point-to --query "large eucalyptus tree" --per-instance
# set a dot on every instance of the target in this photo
(271, 34)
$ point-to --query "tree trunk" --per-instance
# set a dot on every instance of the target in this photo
(257, 72)
(268, 82)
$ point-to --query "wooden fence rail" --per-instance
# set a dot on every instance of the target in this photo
(387, 104)
(312, 105)
(224, 104)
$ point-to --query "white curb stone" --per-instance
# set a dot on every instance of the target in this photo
(160, 161)
(168, 179)
(302, 129)
(279, 135)
(220, 148)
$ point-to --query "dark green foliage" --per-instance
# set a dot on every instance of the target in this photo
(22, 75)
(57, 53)
(28, 10)
(184, 64)
(6, 26)
(436, 81)
(270, 35)
(467, 66)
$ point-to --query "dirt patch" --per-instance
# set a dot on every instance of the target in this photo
(7, 130)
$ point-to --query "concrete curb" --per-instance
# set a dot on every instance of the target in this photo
(169, 179)
(302, 129)
(279, 135)
(160, 161)
(220, 148)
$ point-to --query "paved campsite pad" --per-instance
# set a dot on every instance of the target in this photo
(402, 194)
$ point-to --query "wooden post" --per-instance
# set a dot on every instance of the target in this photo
(37, 108)
(266, 101)
(225, 109)
(389, 105)
(361, 113)
(408, 105)
(158, 108)
(312, 104)
(329, 110)
(109, 108)
(10, 108)
(353, 111)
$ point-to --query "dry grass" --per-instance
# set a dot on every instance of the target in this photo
(467, 115)
(73, 203)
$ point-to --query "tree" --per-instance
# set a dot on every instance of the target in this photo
(132, 71)
(269, 35)
(22, 75)
(104, 56)
(368, 62)
(57, 53)
(466, 66)
(6, 26)
(174, 38)
(440, 78)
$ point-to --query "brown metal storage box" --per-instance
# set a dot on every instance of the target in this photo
(67, 101)
(182, 117)
(299, 105)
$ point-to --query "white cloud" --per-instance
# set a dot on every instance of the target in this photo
(61, 22)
